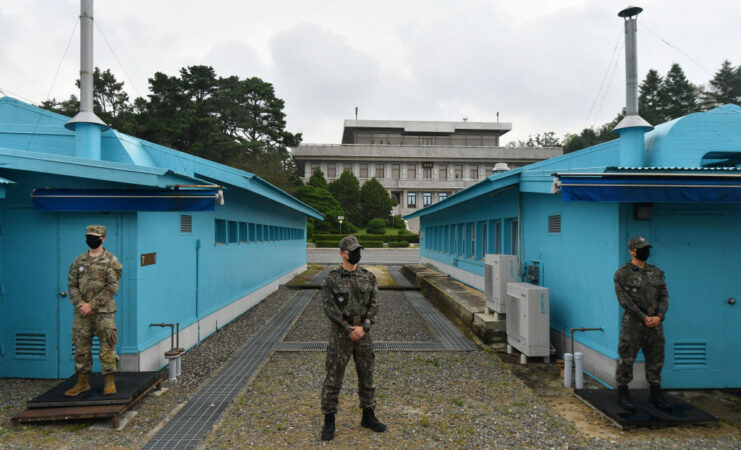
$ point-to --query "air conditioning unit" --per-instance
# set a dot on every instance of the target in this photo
(528, 319)
(498, 271)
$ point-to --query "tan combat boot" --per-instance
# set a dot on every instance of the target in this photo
(81, 386)
(110, 385)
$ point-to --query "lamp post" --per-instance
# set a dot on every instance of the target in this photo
(340, 219)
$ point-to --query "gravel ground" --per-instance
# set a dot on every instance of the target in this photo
(198, 364)
(397, 320)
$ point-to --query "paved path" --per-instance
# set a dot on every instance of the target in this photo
(370, 256)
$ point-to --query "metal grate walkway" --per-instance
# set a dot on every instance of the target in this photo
(397, 346)
(193, 422)
(400, 279)
(450, 336)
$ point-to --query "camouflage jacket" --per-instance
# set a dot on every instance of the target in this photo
(350, 298)
(94, 280)
(642, 292)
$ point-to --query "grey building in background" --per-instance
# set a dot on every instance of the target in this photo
(420, 163)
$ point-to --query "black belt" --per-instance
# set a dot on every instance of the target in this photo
(354, 320)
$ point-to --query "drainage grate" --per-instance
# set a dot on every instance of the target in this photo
(400, 279)
(449, 335)
(193, 422)
(397, 346)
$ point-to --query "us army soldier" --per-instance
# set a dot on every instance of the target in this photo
(350, 300)
(641, 291)
(93, 281)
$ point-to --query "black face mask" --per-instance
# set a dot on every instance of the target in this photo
(354, 256)
(643, 253)
(93, 241)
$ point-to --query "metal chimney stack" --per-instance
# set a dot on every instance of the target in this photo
(87, 126)
(632, 128)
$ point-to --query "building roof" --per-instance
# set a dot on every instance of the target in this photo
(420, 126)
(34, 139)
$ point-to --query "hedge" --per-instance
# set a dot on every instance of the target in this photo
(411, 238)
(398, 244)
(335, 244)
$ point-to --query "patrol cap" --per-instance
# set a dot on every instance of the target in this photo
(638, 242)
(96, 230)
(349, 243)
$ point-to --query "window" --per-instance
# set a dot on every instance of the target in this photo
(442, 172)
(461, 243)
(243, 232)
(220, 231)
(483, 240)
(514, 236)
(458, 170)
(271, 233)
(498, 237)
(233, 236)
(411, 171)
(347, 167)
(475, 173)
(331, 170)
(379, 171)
(411, 199)
(442, 196)
(427, 173)
(472, 236)
(395, 171)
(363, 170)
(314, 166)
(252, 232)
(427, 199)
(186, 223)
(259, 232)
(446, 238)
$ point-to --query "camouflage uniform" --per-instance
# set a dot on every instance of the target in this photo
(94, 280)
(642, 293)
(349, 299)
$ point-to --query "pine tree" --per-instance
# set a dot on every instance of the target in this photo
(317, 179)
(652, 100)
(680, 94)
(725, 87)
(375, 200)
(346, 189)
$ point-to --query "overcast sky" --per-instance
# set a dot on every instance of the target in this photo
(539, 63)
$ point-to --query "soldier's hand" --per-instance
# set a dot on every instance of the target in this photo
(85, 309)
(357, 334)
(653, 321)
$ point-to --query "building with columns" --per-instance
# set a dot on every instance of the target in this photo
(420, 163)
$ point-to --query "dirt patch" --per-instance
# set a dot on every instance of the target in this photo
(383, 277)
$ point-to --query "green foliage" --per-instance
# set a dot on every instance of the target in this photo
(682, 94)
(336, 243)
(346, 189)
(725, 87)
(348, 227)
(399, 244)
(412, 238)
(404, 231)
(375, 200)
(317, 179)
(397, 222)
(651, 99)
(376, 226)
(547, 139)
(324, 202)
(590, 136)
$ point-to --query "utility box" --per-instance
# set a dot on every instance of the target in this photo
(498, 271)
(528, 319)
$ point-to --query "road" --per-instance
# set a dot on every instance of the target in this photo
(369, 256)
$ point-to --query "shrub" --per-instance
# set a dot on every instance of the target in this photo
(397, 222)
(377, 226)
(399, 244)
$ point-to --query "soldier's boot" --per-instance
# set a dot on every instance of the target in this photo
(624, 398)
(82, 385)
(370, 421)
(328, 430)
(110, 384)
(658, 399)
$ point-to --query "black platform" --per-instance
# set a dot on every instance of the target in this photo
(646, 415)
(129, 385)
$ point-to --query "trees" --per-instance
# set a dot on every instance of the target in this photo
(323, 201)
(680, 94)
(317, 179)
(725, 87)
(375, 200)
(547, 139)
(346, 189)
(651, 99)
(591, 136)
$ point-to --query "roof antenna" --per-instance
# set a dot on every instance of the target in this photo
(356, 113)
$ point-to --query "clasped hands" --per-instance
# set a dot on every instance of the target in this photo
(85, 309)
(357, 333)
(652, 321)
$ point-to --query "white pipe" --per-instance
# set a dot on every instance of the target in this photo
(86, 56)
(578, 370)
(568, 362)
(172, 368)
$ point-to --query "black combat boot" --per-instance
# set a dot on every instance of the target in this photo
(624, 398)
(328, 430)
(370, 421)
(658, 399)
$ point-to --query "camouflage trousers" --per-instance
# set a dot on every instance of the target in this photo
(338, 353)
(636, 337)
(104, 326)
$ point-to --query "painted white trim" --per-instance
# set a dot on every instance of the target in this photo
(464, 276)
(153, 358)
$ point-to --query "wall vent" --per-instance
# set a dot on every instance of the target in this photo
(30, 345)
(690, 355)
(95, 351)
(186, 223)
(554, 224)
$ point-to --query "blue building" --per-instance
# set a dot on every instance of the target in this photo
(200, 242)
(570, 218)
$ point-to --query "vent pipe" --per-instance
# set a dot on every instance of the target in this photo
(632, 128)
(86, 125)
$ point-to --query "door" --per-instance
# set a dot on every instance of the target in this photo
(699, 255)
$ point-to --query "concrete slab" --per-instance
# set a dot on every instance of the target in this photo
(418, 272)
(490, 327)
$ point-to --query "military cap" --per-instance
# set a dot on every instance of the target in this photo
(638, 242)
(96, 230)
(349, 243)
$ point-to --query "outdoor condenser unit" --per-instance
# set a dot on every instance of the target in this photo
(498, 271)
(528, 319)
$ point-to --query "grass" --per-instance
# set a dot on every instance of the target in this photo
(457, 402)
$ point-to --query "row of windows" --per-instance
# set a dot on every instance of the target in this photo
(426, 198)
(473, 239)
(233, 232)
(404, 139)
(444, 171)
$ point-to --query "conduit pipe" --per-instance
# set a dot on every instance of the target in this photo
(172, 355)
(573, 330)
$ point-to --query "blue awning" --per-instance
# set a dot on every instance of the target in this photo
(631, 188)
(122, 200)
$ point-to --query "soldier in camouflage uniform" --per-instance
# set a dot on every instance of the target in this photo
(641, 291)
(350, 300)
(93, 281)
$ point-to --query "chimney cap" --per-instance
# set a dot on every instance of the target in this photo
(630, 11)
